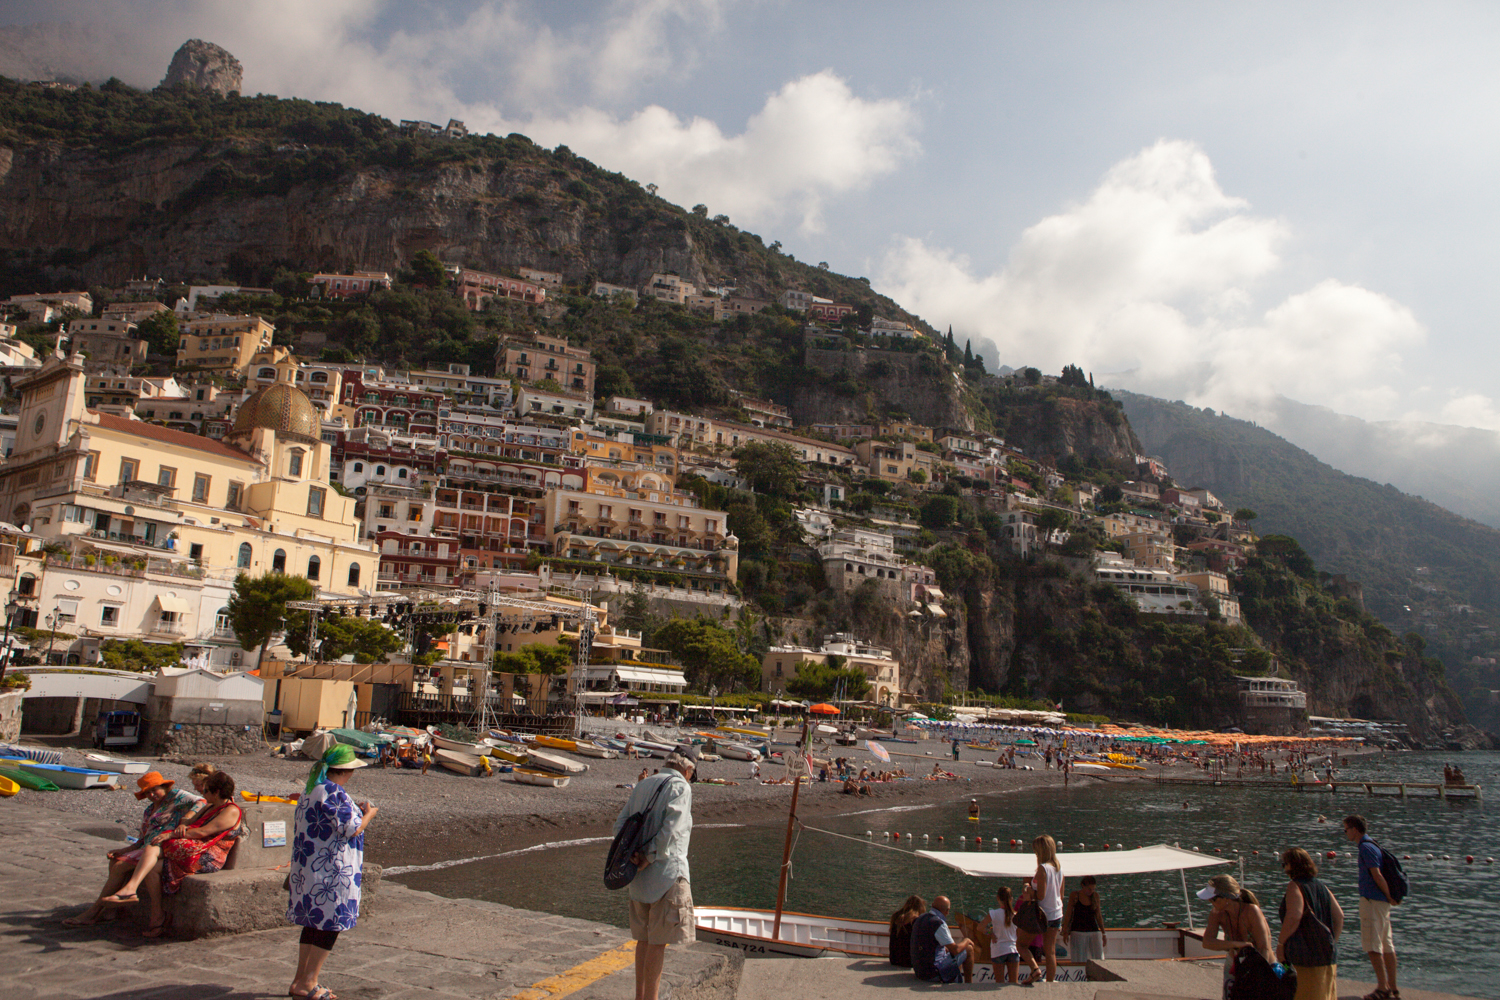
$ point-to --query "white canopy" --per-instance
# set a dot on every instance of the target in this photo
(1159, 858)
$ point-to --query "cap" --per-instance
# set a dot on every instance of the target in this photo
(680, 762)
(1207, 892)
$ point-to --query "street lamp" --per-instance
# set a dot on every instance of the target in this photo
(52, 621)
(12, 606)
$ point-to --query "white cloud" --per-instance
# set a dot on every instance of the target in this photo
(1155, 276)
(1471, 410)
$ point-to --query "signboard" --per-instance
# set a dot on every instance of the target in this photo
(273, 833)
(797, 766)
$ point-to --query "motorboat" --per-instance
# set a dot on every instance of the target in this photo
(527, 776)
(71, 777)
(557, 765)
(102, 762)
(510, 754)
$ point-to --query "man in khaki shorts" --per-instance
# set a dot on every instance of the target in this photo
(661, 897)
(1375, 904)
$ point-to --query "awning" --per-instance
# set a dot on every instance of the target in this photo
(1158, 858)
(936, 611)
(605, 697)
(176, 605)
(643, 676)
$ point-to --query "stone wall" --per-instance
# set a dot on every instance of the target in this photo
(10, 716)
(177, 739)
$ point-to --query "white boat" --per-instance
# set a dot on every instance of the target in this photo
(527, 776)
(593, 750)
(462, 763)
(557, 765)
(99, 762)
(71, 777)
(457, 746)
(738, 751)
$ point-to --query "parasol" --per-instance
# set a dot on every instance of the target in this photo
(878, 750)
(823, 708)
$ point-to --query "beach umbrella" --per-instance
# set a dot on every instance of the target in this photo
(823, 708)
(878, 751)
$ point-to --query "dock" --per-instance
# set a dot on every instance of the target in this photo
(1438, 789)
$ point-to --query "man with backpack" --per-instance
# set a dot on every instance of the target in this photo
(661, 898)
(1376, 897)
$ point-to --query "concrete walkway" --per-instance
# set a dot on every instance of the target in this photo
(414, 944)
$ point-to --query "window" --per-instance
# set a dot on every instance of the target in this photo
(401, 474)
(354, 575)
(379, 470)
(67, 611)
(109, 615)
(128, 469)
(359, 467)
(244, 558)
(278, 561)
(236, 494)
(314, 505)
(26, 586)
(200, 488)
(294, 464)
(314, 567)
(195, 552)
(90, 465)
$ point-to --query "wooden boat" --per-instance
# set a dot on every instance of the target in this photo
(103, 763)
(71, 777)
(8, 787)
(596, 751)
(457, 746)
(527, 776)
(26, 779)
(557, 765)
(803, 935)
(738, 751)
(509, 754)
(763, 734)
(555, 743)
(461, 763)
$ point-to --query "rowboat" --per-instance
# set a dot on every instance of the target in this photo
(738, 751)
(595, 750)
(8, 787)
(509, 754)
(557, 765)
(71, 777)
(102, 763)
(803, 935)
(527, 776)
(555, 743)
(461, 763)
(458, 746)
(26, 779)
(42, 754)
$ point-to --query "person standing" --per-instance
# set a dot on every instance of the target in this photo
(1048, 882)
(1376, 936)
(1083, 924)
(328, 859)
(1308, 898)
(661, 895)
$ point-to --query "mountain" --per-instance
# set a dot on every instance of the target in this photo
(1422, 568)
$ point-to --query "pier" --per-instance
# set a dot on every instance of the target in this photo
(1439, 789)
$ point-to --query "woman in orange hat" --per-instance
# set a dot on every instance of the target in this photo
(167, 807)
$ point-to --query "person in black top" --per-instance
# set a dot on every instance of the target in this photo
(1083, 924)
(901, 922)
(1311, 922)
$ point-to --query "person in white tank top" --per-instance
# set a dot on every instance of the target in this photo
(1049, 895)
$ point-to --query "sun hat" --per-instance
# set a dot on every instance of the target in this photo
(1222, 886)
(680, 762)
(150, 780)
(338, 757)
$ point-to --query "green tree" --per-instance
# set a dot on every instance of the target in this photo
(1245, 514)
(612, 380)
(257, 608)
(427, 270)
(366, 639)
(535, 658)
(159, 330)
(142, 657)
(821, 681)
(769, 467)
(1072, 375)
(709, 654)
(939, 511)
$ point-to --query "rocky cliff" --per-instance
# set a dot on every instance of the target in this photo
(1091, 431)
(862, 385)
(205, 66)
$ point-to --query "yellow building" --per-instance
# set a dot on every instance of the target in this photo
(221, 342)
(593, 444)
(259, 500)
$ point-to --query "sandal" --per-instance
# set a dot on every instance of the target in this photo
(79, 921)
(118, 900)
(157, 930)
(1377, 994)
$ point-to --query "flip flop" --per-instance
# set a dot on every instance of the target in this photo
(316, 993)
(115, 899)
(78, 921)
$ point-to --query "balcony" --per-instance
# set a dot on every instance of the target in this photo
(141, 540)
(225, 632)
(164, 627)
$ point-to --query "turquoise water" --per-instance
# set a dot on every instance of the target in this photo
(1447, 931)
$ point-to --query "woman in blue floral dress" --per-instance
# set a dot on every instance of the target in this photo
(328, 857)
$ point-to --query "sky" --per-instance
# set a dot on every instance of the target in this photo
(1210, 202)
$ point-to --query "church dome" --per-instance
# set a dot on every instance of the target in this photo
(282, 408)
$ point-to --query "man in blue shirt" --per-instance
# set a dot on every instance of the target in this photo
(1375, 904)
(661, 898)
(934, 953)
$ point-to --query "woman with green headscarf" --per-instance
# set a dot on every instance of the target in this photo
(328, 857)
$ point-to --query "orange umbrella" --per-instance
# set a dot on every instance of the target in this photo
(823, 708)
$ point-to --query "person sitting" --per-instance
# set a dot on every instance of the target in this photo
(935, 955)
(201, 844)
(168, 808)
(864, 789)
(850, 788)
(901, 924)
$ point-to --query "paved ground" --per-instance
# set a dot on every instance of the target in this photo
(415, 944)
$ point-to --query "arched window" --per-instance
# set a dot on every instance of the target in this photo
(26, 586)
(314, 567)
(266, 373)
(278, 561)
(244, 560)
(320, 377)
(359, 467)
(379, 470)
(401, 474)
(294, 464)
(354, 574)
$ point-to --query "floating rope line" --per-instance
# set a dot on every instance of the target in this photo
(857, 840)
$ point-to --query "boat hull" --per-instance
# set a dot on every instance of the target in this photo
(529, 777)
(461, 763)
(803, 935)
(738, 751)
(546, 762)
(8, 787)
(75, 778)
(472, 749)
(99, 762)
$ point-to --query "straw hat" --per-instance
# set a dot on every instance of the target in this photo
(150, 780)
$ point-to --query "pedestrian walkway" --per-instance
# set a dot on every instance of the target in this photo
(413, 944)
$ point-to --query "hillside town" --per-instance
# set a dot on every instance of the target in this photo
(133, 501)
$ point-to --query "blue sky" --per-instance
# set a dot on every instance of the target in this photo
(1207, 202)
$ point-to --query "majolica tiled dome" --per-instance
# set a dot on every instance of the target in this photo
(282, 408)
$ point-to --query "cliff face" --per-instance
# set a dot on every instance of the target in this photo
(1093, 431)
(206, 66)
(912, 383)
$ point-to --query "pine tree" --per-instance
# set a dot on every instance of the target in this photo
(968, 354)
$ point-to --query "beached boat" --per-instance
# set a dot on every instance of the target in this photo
(71, 777)
(763, 734)
(557, 765)
(509, 754)
(42, 754)
(555, 743)
(26, 779)
(458, 746)
(8, 787)
(461, 763)
(527, 776)
(104, 763)
(738, 751)
(595, 750)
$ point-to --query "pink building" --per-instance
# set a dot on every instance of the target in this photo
(477, 288)
(344, 286)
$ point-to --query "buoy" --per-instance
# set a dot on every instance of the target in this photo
(940, 838)
(925, 837)
(1081, 847)
(1469, 858)
(1429, 857)
(1333, 854)
(978, 840)
(1106, 845)
(1322, 819)
(1218, 850)
(908, 834)
(1119, 847)
(1013, 842)
(1489, 861)
(996, 840)
(1254, 852)
(886, 834)
(1406, 857)
(1445, 857)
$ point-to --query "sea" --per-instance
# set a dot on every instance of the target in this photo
(1447, 930)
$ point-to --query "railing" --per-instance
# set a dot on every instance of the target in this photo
(224, 632)
(167, 628)
(116, 536)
